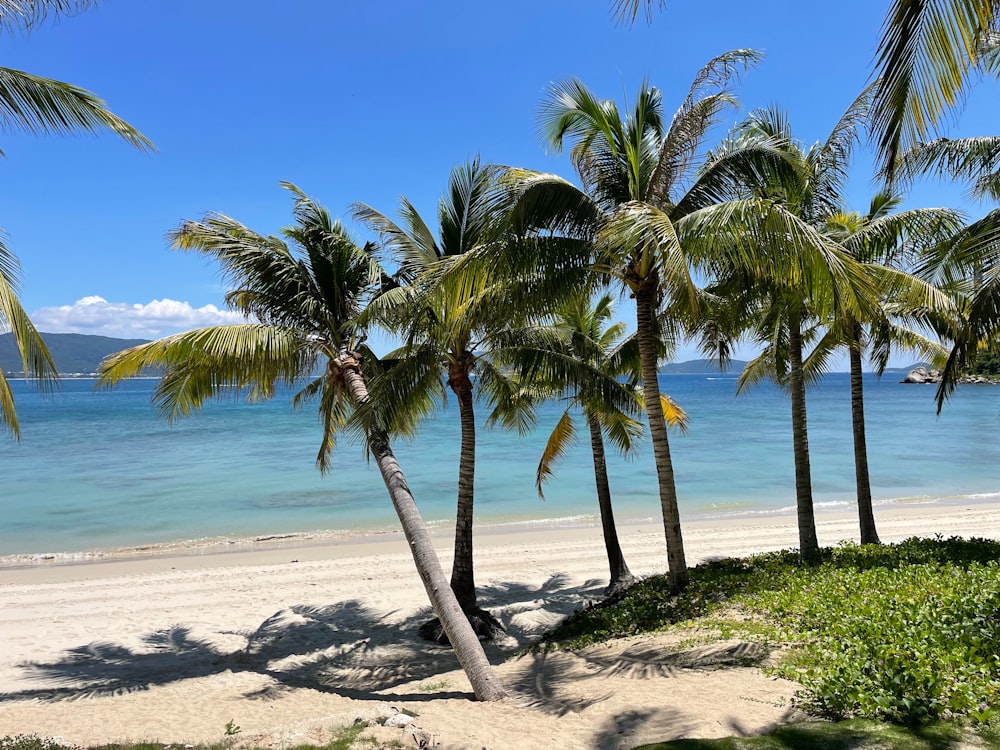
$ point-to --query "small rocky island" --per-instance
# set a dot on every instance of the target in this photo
(926, 375)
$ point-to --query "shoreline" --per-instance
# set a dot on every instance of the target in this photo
(833, 519)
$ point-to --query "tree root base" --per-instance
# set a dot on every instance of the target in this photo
(485, 625)
(620, 585)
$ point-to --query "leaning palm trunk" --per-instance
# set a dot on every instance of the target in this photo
(621, 577)
(645, 298)
(808, 544)
(468, 649)
(866, 517)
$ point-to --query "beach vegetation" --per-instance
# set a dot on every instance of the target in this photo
(853, 734)
(986, 363)
(905, 633)
(31, 742)
(306, 289)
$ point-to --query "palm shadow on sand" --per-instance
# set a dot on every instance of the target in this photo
(345, 648)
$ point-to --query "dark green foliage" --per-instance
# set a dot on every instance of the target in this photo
(30, 742)
(907, 643)
(907, 633)
(986, 363)
(651, 605)
(857, 734)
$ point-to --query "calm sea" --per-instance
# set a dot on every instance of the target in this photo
(101, 469)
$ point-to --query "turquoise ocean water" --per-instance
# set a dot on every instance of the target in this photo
(100, 470)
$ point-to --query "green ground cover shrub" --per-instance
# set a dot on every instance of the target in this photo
(907, 633)
(856, 734)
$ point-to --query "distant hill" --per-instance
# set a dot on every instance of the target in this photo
(73, 353)
(904, 370)
(701, 366)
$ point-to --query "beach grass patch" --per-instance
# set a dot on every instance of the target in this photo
(31, 742)
(906, 633)
(434, 687)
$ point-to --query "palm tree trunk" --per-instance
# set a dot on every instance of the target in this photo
(485, 684)
(808, 544)
(621, 576)
(866, 516)
(645, 301)
(462, 572)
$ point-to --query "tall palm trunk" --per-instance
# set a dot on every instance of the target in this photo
(485, 684)
(621, 576)
(808, 544)
(866, 516)
(462, 571)
(645, 303)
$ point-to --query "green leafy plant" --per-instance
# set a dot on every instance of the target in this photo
(31, 742)
(906, 633)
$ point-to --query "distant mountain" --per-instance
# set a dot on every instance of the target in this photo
(701, 366)
(914, 366)
(73, 353)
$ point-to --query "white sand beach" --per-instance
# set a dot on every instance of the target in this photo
(290, 642)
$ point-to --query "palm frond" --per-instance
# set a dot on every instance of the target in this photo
(627, 11)
(37, 105)
(24, 15)
(555, 447)
(210, 362)
(926, 56)
(643, 232)
(514, 405)
(708, 96)
(621, 430)
(36, 361)
(973, 160)
(760, 368)
(412, 245)
(334, 413)
(674, 415)
(408, 390)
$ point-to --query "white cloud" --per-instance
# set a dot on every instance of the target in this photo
(161, 317)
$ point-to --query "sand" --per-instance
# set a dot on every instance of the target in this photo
(290, 642)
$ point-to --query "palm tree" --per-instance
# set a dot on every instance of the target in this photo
(307, 300)
(448, 327)
(40, 105)
(581, 357)
(638, 180)
(887, 243)
(800, 280)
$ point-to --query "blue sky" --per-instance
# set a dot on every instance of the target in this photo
(356, 102)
